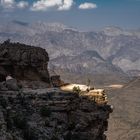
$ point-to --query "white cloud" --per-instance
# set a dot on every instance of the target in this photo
(11, 4)
(7, 3)
(67, 4)
(43, 5)
(87, 5)
(22, 4)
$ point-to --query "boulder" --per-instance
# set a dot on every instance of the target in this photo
(12, 84)
(56, 81)
(3, 86)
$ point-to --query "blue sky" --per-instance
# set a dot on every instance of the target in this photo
(82, 14)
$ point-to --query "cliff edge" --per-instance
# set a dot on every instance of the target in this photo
(50, 114)
(29, 113)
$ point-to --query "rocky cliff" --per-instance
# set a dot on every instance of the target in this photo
(50, 114)
(33, 113)
(23, 62)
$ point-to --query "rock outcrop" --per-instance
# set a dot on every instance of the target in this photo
(50, 114)
(23, 62)
(34, 112)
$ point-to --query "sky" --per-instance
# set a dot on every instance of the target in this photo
(81, 14)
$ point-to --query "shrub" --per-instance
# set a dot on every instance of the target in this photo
(76, 89)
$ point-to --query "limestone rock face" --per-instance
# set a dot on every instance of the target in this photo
(23, 62)
(50, 114)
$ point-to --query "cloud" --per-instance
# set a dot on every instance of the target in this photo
(7, 3)
(87, 5)
(22, 4)
(67, 4)
(11, 4)
(43, 5)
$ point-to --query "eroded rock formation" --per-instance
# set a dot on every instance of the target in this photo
(33, 113)
(51, 115)
(23, 62)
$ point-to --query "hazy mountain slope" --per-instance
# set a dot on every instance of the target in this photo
(114, 45)
(125, 120)
(87, 65)
(86, 62)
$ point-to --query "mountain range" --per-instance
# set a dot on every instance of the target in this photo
(110, 51)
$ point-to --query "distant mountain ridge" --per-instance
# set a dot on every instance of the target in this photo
(113, 49)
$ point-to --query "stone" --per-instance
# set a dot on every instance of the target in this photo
(56, 81)
(12, 84)
(3, 86)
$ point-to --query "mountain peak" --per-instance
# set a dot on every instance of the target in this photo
(55, 26)
(112, 30)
